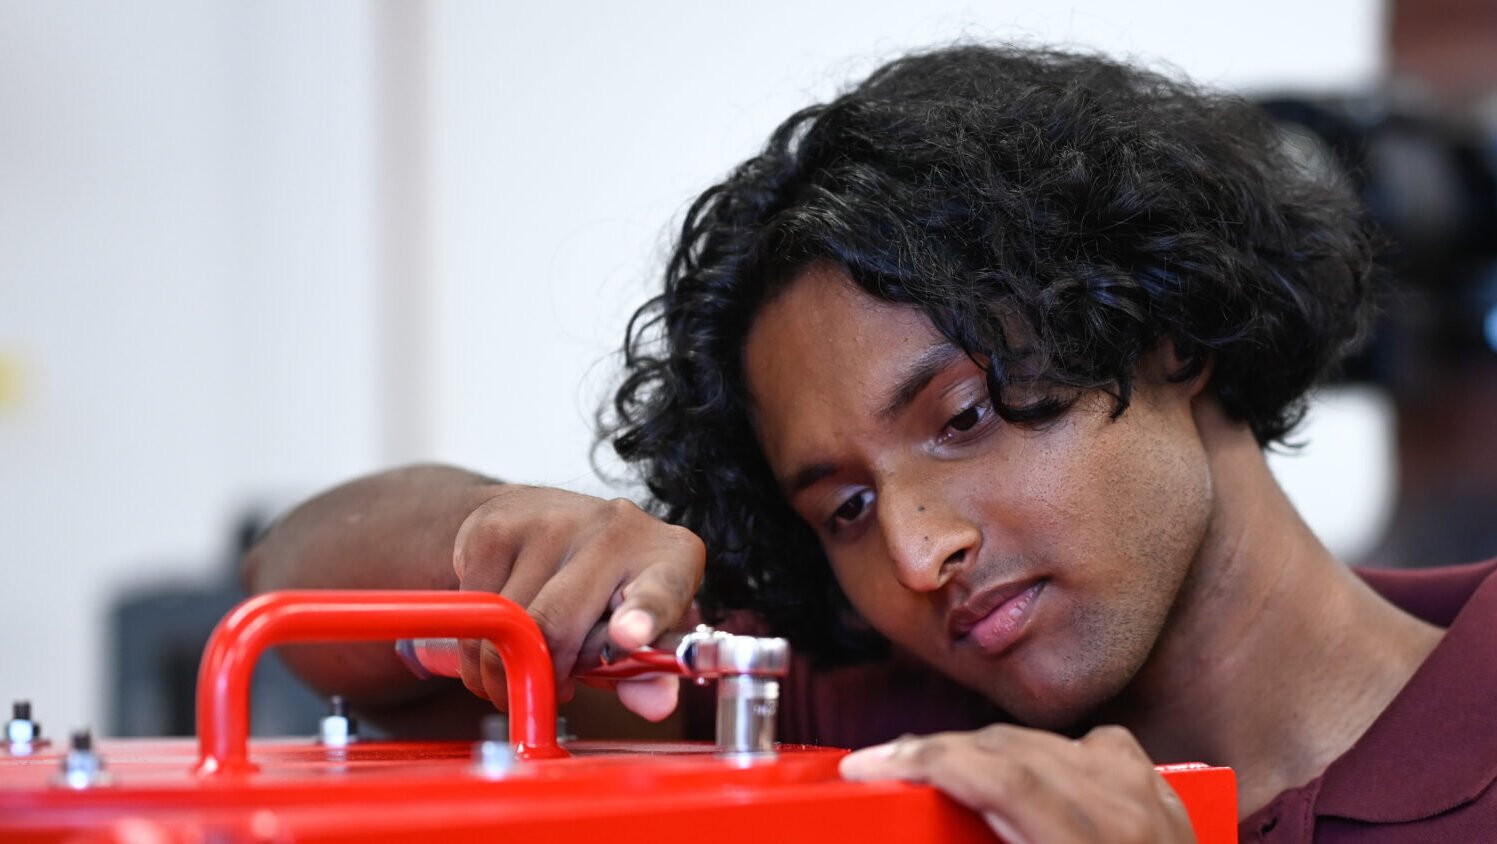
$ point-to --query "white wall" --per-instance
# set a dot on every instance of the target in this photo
(185, 204)
(250, 248)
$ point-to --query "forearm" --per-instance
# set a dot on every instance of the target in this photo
(392, 530)
(569, 559)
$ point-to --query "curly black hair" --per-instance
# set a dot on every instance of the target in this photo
(1057, 216)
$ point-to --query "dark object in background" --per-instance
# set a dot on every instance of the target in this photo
(1429, 179)
(157, 635)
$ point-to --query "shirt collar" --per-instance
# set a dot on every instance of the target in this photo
(1435, 747)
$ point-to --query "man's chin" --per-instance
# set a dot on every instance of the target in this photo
(1070, 708)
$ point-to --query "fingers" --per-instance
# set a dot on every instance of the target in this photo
(1031, 785)
(642, 569)
(1001, 793)
(482, 558)
(570, 559)
(659, 594)
(652, 698)
(1118, 746)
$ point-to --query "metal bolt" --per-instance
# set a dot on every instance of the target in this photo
(337, 728)
(746, 707)
(493, 756)
(22, 735)
(82, 767)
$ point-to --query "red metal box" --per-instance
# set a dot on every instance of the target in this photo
(223, 787)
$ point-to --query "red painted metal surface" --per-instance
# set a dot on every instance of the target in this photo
(403, 791)
(224, 788)
(277, 618)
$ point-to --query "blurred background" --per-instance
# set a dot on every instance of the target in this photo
(251, 249)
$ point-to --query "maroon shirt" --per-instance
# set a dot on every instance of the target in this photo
(1423, 771)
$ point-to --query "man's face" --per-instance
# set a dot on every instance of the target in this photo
(1036, 565)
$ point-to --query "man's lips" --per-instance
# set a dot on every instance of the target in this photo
(994, 614)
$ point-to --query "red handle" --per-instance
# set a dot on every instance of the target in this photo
(276, 618)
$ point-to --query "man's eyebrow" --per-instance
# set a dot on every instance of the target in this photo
(808, 475)
(916, 375)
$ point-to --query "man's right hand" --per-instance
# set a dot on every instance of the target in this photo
(572, 560)
(569, 559)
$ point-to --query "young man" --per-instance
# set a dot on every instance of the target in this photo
(972, 369)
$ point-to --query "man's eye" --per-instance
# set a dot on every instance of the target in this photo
(966, 420)
(852, 508)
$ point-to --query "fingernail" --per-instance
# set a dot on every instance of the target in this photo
(861, 762)
(636, 625)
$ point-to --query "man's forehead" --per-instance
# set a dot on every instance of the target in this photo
(827, 364)
(823, 327)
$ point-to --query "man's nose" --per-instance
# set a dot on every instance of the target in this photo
(929, 539)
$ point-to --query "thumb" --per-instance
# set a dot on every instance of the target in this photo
(633, 628)
(651, 698)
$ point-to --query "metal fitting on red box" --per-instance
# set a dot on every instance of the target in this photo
(22, 735)
(337, 728)
(747, 668)
(493, 757)
(82, 767)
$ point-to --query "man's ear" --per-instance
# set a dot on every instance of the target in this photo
(1165, 368)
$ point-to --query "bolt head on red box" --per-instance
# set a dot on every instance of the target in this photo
(224, 787)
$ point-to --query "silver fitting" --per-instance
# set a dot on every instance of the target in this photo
(337, 728)
(746, 709)
(23, 735)
(709, 654)
(747, 668)
(493, 758)
(81, 767)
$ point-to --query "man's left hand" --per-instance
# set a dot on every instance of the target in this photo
(1037, 787)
